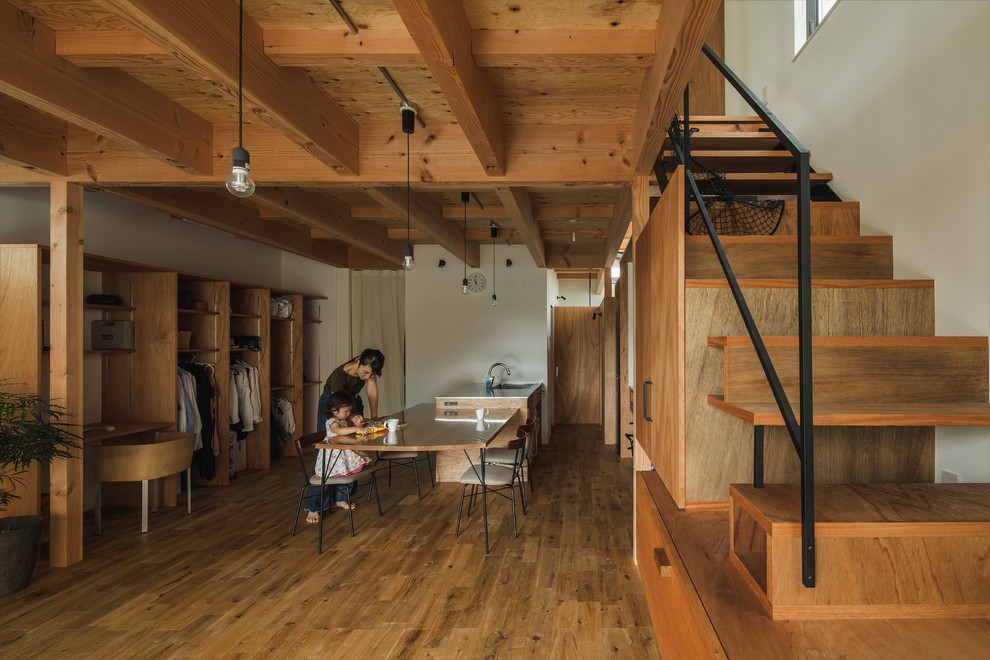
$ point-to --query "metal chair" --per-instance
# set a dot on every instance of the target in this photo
(506, 456)
(311, 479)
(497, 479)
(406, 459)
(167, 454)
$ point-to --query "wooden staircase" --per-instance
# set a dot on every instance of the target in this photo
(890, 542)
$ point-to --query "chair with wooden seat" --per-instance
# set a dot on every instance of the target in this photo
(310, 479)
(408, 460)
(506, 456)
(497, 479)
(167, 454)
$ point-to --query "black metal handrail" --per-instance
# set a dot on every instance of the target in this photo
(801, 434)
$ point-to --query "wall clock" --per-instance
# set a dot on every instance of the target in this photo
(476, 282)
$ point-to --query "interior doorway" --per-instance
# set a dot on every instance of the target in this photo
(577, 365)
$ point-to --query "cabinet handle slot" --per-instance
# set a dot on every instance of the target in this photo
(647, 384)
(663, 562)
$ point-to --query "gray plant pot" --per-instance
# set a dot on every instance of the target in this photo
(19, 538)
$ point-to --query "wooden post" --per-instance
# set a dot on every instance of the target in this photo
(640, 204)
(66, 386)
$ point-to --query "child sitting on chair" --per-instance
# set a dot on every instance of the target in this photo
(337, 462)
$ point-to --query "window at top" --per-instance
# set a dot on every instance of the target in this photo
(808, 15)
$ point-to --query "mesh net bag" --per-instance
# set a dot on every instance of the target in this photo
(731, 214)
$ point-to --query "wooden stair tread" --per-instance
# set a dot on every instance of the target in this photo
(846, 340)
(703, 140)
(771, 183)
(815, 284)
(737, 160)
(865, 414)
(780, 504)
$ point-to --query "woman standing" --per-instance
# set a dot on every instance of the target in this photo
(351, 377)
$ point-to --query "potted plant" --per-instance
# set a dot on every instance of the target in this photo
(31, 429)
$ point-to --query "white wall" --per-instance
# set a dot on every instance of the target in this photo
(894, 99)
(452, 339)
(576, 292)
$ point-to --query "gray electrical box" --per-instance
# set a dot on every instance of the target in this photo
(112, 334)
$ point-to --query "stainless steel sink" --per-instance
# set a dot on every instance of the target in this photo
(516, 386)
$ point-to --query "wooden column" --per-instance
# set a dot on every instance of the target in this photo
(20, 359)
(66, 386)
(640, 204)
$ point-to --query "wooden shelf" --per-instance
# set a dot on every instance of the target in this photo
(193, 349)
(100, 308)
(281, 388)
(312, 382)
(235, 349)
(202, 312)
(277, 318)
(238, 315)
(312, 320)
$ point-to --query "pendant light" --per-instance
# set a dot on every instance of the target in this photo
(494, 229)
(239, 182)
(464, 283)
(408, 112)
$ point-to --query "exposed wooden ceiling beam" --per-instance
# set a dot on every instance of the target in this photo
(681, 31)
(574, 255)
(498, 212)
(425, 214)
(618, 228)
(520, 210)
(583, 48)
(203, 36)
(32, 139)
(109, 103)
(372, 48)
(443, 35)
(227, 214)
(542, 156)
(319, 212)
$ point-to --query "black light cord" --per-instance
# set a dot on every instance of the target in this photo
(240, 76)
(464, 198)
(408, 235)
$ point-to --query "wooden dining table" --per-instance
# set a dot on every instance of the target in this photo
(423, 428)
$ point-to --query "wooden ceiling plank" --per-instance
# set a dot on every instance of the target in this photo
(320, 212)
(681, 31)
(443, 35)
(107, 102)
(225, 213)
(520, 210)
(203, 36)
(114, 49)
(331, 48)
(425, 214)
(619, 226)
(574, 255)
(584, 48)
(31, 139)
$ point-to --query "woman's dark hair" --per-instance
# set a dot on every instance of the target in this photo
(373, 358)
(336, 401)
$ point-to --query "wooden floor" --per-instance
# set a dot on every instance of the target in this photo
(230, 581)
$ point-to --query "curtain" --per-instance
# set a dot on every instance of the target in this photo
(378, 320)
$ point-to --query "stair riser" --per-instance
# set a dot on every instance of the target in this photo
(871, 259)
(877, 374)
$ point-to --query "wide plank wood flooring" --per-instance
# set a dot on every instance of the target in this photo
(229, 580)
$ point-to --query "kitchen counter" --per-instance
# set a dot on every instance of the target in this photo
(514, 403)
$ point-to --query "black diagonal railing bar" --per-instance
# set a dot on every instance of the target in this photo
(802, 435)
(766, 363)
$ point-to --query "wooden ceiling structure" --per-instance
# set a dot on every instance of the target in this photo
(548, 112)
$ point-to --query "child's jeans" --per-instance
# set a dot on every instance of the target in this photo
(331, 494)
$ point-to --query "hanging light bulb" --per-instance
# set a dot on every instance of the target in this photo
(408, 112)
(239, 182)
(464, 283)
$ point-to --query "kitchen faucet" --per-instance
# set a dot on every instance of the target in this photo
(490, 380)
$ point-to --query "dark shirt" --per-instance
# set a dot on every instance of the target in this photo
(340, 380)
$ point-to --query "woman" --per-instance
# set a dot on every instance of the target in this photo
(351, 377)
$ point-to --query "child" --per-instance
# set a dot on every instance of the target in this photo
(337, 462)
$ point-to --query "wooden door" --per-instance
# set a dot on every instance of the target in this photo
(577, 363)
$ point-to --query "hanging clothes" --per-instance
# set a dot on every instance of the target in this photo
(208, 448)
(188, 419)
(283, 422)
(246, 392)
